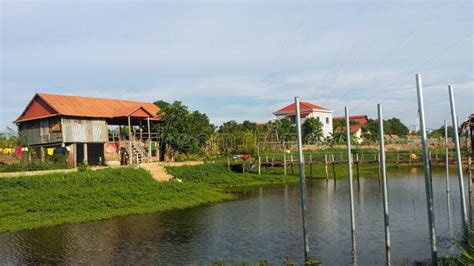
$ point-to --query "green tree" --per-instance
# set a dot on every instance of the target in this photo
(162, 104)
(285, 130)
(439, 133)
(312, 130)
(392, 126)
(181, 130)
(396, 127)
(8, 138)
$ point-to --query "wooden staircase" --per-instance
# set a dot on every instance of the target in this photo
(138, 153)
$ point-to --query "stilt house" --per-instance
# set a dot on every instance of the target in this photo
(93, 130)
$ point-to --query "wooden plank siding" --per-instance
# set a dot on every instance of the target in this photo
(48, 131)
(37, 132)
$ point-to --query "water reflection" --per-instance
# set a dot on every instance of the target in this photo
(265, 224)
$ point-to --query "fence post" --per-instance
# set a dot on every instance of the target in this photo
(259, 165)
(326, 166)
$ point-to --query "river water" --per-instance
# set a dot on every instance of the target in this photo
(264, 224)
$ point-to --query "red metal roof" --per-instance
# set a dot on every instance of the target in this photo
(304, 107)
(46, 105)
(361, 121)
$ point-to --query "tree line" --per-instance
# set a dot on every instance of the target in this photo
(185, 132)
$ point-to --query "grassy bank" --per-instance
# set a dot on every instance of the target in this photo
(36, 201)
(28, 202)
(217, 176)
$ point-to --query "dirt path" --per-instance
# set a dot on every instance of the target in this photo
(158, 170)
(30, 173)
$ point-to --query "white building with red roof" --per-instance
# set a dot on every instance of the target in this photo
(308, 110)
(357, 124)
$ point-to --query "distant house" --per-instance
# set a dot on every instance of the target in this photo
(357, 124)
(467, 129)
(307, 110)
(88, 128)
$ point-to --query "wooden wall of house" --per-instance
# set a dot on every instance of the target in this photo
(43, 131)
(84, 130)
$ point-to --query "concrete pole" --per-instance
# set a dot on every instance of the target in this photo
(130, 156)
(149, 139)
(302, 180)
(86, 160)
(446, 154)
(458, 159)
(427, 173)
(384, 185)
(259, 165)
(349, 172)
(42, 154)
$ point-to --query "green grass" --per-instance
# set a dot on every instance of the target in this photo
(22, 167)
(218, 176)
(29, 202)
(52, 199)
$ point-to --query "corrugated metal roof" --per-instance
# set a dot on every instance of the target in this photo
(78, 106)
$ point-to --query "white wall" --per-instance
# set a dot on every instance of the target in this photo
(324, 116)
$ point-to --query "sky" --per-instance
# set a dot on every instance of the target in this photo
(242, 60)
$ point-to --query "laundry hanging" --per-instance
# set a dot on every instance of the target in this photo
(18, 151)
(50, 151)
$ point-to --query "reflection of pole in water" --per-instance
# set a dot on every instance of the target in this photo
(450, 229)
(383, 173)
(349, 166)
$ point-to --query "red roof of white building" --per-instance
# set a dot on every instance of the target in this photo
(305, 108)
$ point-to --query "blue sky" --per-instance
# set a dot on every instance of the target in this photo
(242, 59)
